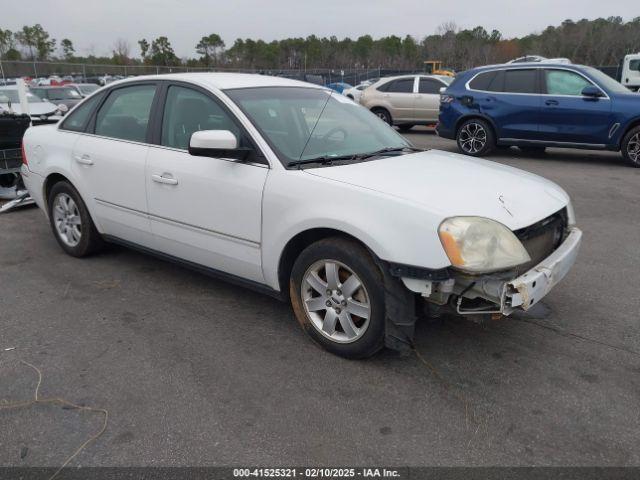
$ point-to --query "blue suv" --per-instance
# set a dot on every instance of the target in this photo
(539, 105)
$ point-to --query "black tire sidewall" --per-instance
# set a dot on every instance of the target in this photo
(489, 144)
(359, 261)
(89, 238)
(625, 147)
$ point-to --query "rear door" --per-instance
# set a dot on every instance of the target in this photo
(427, 100)
(400, 96)
(204, 210)
(513, 101)
(109, 162)
(569, 117)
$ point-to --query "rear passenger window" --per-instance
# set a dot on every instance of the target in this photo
(402, 85)
(564, 82)
(187, 111)
(520, 81)
(482, 81)
(125, 113)
(430, 86)
(77, 120)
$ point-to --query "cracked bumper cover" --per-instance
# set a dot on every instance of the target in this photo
(530, 287)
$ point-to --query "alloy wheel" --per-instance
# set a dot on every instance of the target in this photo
(66, 218)
(633, 148)
(335, 301)
(473, 137)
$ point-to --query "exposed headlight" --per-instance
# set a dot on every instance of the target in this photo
(480, 245)
(63, 108)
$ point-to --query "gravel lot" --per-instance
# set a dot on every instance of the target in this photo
(194, 371)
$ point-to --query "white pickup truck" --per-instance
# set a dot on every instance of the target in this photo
(630, 77)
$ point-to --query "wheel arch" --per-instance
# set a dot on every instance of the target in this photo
(302, 240)
(630, 126)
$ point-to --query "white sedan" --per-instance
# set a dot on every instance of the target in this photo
(296, 191)
(354, 93)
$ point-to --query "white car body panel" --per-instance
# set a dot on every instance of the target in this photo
(238, 217)
(212, 216)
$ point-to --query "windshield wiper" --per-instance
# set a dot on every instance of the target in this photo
(386, 150)
(329, 159)
(324, 159)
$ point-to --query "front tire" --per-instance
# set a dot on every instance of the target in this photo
(475, 137)
(338, 299)
(71, 223)
(631, 147)
(406, 127)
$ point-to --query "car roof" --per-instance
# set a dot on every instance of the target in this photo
(224, 80)
(512, 66)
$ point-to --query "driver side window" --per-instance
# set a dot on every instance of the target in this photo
(187, 111)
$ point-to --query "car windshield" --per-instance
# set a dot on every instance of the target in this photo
(64, 94)
(312, 123)
(11, 95)
(88, 89)
(606, 82)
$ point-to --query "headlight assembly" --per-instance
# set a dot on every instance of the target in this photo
(480, 245)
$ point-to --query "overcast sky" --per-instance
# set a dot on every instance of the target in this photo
(93, 26)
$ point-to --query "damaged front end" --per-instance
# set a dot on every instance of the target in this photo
(552, 246)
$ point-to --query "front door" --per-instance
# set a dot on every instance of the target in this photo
(400, 96)
(569, 117)
(427, 100)
(204, 210)
(109, 161)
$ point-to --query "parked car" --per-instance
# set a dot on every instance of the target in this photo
(84, 89)
(293, 190)
(354, 93)
(406, 100)
(536, 105)
(41, 111)
(339, 86)
(67, 96)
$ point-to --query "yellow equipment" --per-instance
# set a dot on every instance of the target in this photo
(434, 67)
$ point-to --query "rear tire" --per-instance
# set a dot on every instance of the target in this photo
(338, 297)
(475, 137)
(631, 147)
(70, 221)
(383, 114)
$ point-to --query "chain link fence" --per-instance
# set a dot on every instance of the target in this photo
(93, 72)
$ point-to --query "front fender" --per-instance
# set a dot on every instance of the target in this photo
(393, 229)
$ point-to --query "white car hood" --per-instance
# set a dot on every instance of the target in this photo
(449, 184)
(35, 109)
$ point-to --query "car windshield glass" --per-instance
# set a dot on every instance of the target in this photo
(87, 89)
(7, 96)
(64, 94)
(308, 123)
(605, 81)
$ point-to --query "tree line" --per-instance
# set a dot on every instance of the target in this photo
(603, 41)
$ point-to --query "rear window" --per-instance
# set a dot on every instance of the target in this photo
(402, 85)
(520, 81)
(482, 81)
(77, 120)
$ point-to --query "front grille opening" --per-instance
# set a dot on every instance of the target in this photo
(542, 238)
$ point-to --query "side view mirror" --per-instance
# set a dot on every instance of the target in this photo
(592, 92)
(217, 144)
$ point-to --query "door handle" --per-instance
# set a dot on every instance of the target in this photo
(83, 159)
(551, 102)
(162, 179)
